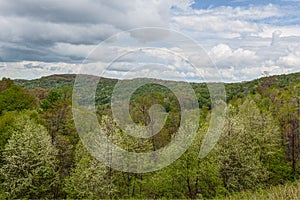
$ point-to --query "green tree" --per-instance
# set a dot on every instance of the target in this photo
(58, 119)
(5, 83)
(248, 147)
(91, 178)
(88, 179)
(288, 114)
(15, 98)
(189, 176)
(29, 162)
(7, 121)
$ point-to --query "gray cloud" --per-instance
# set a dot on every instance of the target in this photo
(275, 37)
(31, 66)
(122, 14)
(53, 68)
(33, 28)
(56, 36)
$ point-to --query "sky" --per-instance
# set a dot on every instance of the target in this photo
(244, 39)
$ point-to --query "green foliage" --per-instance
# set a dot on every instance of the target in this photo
(91, 179)
(249, 148)
(259, 146)
(15, 98)
(29, 162)
(5, 83)
(288, 114)
(88, 179)
(7, 121)
(58, 119)
(189, 176)
(280, 192)
(50, 99)
(105, 86)
(49, 82)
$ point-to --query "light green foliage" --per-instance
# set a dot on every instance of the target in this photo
(250, 142)
(88, 179)
(92, 179)
(289, 191)
(189, 176)
(259, 146)
(29, 162)
(6, 122)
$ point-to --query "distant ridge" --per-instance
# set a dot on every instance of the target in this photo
(61, 80)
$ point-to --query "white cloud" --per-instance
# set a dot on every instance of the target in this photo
(286, 31)
(226, 21)
(292, 59)
(223, 55)
(47, 35)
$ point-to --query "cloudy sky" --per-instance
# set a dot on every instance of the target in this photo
(243, 38)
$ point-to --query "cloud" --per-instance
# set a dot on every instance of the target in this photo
(275, 37)
(45, 37)
(31, 66)
(33, 28)
(292, 59)
(223, 56)
(226, 20)
(134, 13)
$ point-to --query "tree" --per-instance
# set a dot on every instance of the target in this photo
(288, 114)
(140, 113)
(58, 119)
(189, 176)
(88, 179)
(91, 178)
(7, 121)
(29, 162)
(5, 83)
(249, 146)
(15, 98)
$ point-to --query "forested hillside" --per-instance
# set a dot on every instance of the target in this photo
(42, 155)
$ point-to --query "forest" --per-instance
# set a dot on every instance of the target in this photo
(257, 155)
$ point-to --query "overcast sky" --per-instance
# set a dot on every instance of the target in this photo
(243, 38)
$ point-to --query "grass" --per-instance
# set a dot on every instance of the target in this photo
(289, 191)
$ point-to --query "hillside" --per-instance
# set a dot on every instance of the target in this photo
(61, 80)
(256, 155)
(106, 85)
